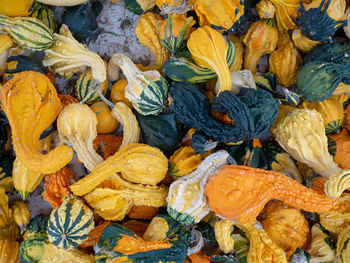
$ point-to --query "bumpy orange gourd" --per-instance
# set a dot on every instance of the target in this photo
(285, 61)
(240, 193)
(261, 39)
(347, 118)
(57, 186)
(286, 226)
(31, 104)
(107, 144)
(118, 92)
(147, 34)
(105, 121)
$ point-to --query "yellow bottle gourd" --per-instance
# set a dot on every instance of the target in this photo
(105, 121)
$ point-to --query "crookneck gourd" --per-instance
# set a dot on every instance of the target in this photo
(174, 30)
(183, 161)
(76, 125)
(147, 91)
(28, 32)
(286, 226)
(70, 224)
(31, 104)
(332, 111)
(343, 246)
(302, 42)
(125, 245)
(322, 247)
(186, 200)
(138, 163)
(237, 185)
(302, 135)
(147, 33)
(209, 50)
(261, 39)
(67, 56)
(57, 186)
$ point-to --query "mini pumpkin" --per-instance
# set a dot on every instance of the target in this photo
(107, 145)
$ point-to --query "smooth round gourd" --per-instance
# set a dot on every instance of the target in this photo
(70, 224)
(21, 214)
(85, 85)
(106, 122)
(118, 92)
(15, 8)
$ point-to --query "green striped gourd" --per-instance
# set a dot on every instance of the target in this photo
(28, 32)
(70, 224)
(45, 14)
(147, 91)
(85, 85)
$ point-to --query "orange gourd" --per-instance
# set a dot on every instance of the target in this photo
(143, 212)
(107, 144)
(106, 122)
(342, 155)
(67, 99)
(118, 92)
(240, 193)
(94, 235)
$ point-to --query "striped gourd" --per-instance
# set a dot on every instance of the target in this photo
(28, 32)
(45, 14)
(70, 224)
(85, 85)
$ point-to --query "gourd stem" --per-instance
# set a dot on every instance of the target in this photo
(110, 104)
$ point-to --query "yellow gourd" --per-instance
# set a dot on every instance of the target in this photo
(321, 249)
(118, 92)
(21, 214)
(9, 251)
(15, 8)
(343, 246)
(265, 9)
(286, 13)
(302, 42)
(238, 62)
(105, 121)
(223, 230)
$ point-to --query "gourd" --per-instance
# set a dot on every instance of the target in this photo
(286, 226)
(67, 99)
(223, 230)
(6, 164)
(70, 224)
(37, 248)
(285, 61)
(147, 34)
(302, 42)
(45, 14)
(261, 247)
(9, 251)
(6, 44)
(105, 121)
(265, 9)
(139, 227)
(347, 27)
(118, 92)
(219, 14)
(209, 50)
(37, 224)
(116, 196)
(174, 30)
(21, 214)
(28, 32)
(5, 214)
(147, 91)
(286, 13)
(322, 248)
(138, 163)
(57, 186)
(120, 242)
(299, 133)
(261, 39)
(332, 111)
(76, 125)
(161, 131)
(198, 257)
(187, 203)
(238, 59)
(237, 185)
(337, 218)
(343, 249)
(62, 2)
(319, 20)
(143, 212)
(347, 118)
(139, 6)
(85, 86)
(106, 145)
(241, 79)
(30, 103)
(67, 56)
(341, 141)
(183, 161)
(94, 235)
(18, 8)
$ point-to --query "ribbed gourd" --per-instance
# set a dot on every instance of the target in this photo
(187, 203)
(31, 104)
(70, 224)
(223, 230)
(147, 33)
(45, 14)
(286, 13)
(67, 56)
(106, 123)
(139, 6)
(285, 60)
(209, 50)
(261, 39)
(9, 251)
(147, 91)
(28, 32)
(85, 85)
(76, 125)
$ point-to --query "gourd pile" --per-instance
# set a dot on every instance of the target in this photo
(232, 147)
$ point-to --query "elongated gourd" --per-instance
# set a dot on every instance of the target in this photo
(138, 163)
(31, 104)
(236, 185)
(21, 214)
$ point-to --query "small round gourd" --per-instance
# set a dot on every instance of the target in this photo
(118, 92)
(106, 122)
(85, 85)
(70, 224)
